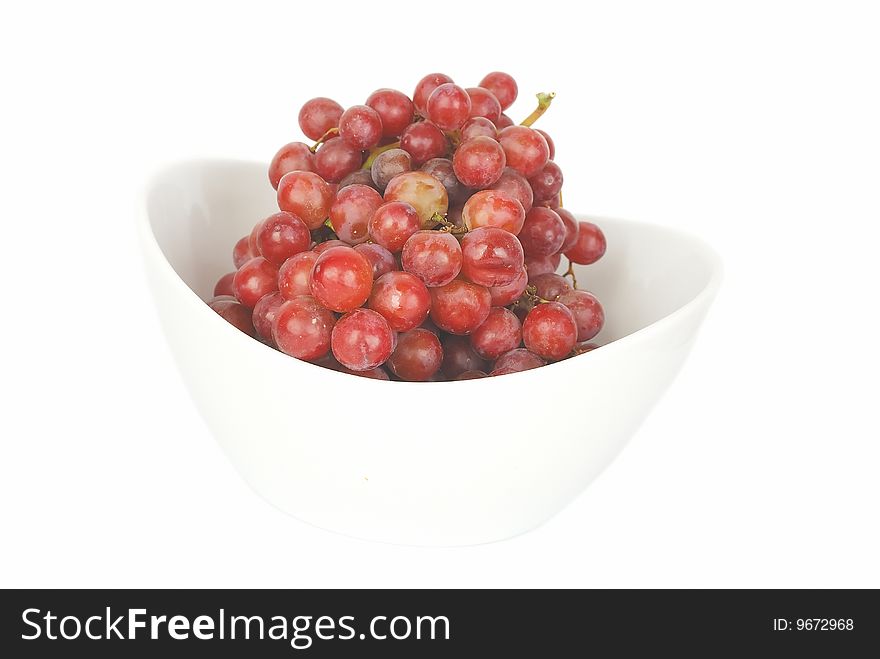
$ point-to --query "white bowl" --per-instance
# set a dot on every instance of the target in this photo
(415, 463)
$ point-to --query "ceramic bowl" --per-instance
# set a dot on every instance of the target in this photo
(446, 463)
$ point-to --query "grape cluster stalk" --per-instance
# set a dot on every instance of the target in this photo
(418, 238)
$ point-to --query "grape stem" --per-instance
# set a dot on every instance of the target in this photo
(326, 136)
(447, 226)
(529, 299)
(544, 100)
(374, 153)
(570, 273)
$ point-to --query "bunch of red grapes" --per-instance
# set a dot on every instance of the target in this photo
(418, 240)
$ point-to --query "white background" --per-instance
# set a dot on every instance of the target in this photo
(753, 124)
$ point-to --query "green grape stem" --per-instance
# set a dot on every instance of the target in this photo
(326, 136)
(374, 153)
(544, 100)
(570, 273)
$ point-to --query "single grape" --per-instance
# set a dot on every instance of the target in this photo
(389, 164)
(394, 109)
(478, 162)
(242, 253)
(514, 184)
(550, 286)
(550, 331)
(547, 183)
(341, 279)
(518, 360)
(361, 127)
(448, 106)
(587, 311)
(491, 256)
(362, 340)
(423, 141)
(282, 235)
(460, 306)
(459, 357)
(306, 195)
(381, 260)
(500, 333)
(224, 285)
(295, 274)
(442, 170)
(525, 149)
(235, 313)
(590, 245)
(484, 104)
(336, 159)
(318, 116)
(491, 208)
(502, 86)
(539, 265)
(264, 314)
(432, 256)
(351, 212)
(417, 357)
(402, 299)
(503, 122)
(509, 293)
(421, 191)
(302, 328)
(425, 87)
(477, 127)
(253, 280)
(571, 229)
(359, 177)
(320, 248)
(392, 225)
(543, 232)
(550, 144)
(472, 375)
(293, 157)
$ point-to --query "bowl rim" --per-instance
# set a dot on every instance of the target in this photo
(150, 244)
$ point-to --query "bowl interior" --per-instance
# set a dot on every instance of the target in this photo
(198, 210)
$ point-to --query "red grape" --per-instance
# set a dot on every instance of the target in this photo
(460, 306)
(590, 244)
(336, 159)
(472, 375)
(423, 141)
(320, 248)
(476, 127)
(550, 331)
(547, 183)
(484, 104)
(402, 299)
(224, 285)
(550, 144)
(587, 311)
(381, 260)
(425, 87)
(509, 293)
(292, 157)
(235, 314)
(389, 164)
(318, 116)
(459, 357)
(539, 265)
(479, 162)
(281, 236)
(302, 328)
(526, 150)
(543, 232)
(362, 340)
(264, 314)
(359, 176)
(394, 109)
(306, 195)
(571, 229)
(514, 184)
(361, 127)
(581, 348)
(503, 86)
(392, 224)
(421, 191)
(341, 279)
(372, 374)
(242, 252)
(500, 333)
(491, 208)
(550, 286)
(417, 357)
(517, 360)
(295, 274)
(351, 212)
(503, 122)
(442, 170)
(253, 280)
(491, 256)
(432, 256)
(448, 106)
